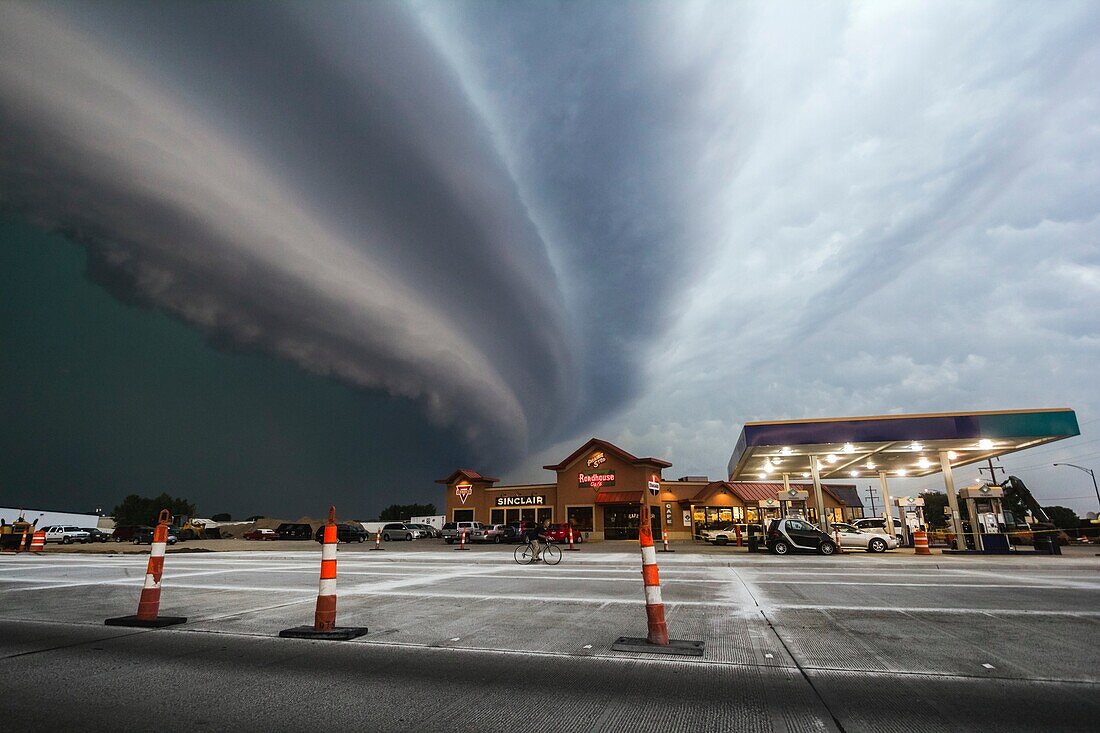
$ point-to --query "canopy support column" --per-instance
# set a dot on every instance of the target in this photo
(887, 502)
(952, 501)
(819, 501)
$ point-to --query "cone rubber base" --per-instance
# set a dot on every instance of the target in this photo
(157, 623)
(461, 548)
(668, 550)
(677, 647)
(340, 633)
(376, 548)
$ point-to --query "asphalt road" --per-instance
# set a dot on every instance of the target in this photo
(472, 641)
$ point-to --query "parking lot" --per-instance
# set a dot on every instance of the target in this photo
(854, 642)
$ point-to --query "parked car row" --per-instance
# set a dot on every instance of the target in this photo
(515, 532)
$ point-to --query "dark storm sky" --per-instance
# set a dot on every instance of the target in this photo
(273, 255)
(101, 399)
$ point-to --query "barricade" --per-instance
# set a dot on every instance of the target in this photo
(38, 541)
(920, 542)
(570, 535)
(664, 541)
(148, 613)
(462, 541)
(324, 617)
(377, 540)
(657, 641)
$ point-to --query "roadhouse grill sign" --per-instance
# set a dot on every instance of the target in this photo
(596, 480)
(534, 500)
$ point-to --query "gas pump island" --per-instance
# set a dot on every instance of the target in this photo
(899, 446)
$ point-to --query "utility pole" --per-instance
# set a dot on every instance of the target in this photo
(992, 471)
(871, 498)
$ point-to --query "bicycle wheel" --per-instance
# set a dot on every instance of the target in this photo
(524, 554)
(551, 555)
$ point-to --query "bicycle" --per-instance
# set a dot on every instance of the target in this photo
(525, 554)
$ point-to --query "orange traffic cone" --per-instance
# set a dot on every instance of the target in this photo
(657, 641)
(324, 618)
(148, 613)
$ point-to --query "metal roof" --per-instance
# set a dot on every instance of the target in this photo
(900, 445)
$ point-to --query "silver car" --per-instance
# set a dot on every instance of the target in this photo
(853, 538)
(400, 531)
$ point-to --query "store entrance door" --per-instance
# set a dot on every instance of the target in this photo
(620, 521)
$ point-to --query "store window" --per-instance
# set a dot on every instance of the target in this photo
(527, 514)
(496, 516)
(834, 514)
(544, 513)
(464, 515)
(752, 515)
(714, 517)
(580, 517)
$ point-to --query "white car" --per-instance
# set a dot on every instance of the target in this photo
(65, 534)
(853, 538)
(877, 525)
(719, 535)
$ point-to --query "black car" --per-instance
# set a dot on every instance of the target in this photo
(516, 532)
(96, 535)
(797, 535)
(293, 531)
(144, 536)
(344, 533)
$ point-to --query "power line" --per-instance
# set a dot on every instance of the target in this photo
(1063, 460)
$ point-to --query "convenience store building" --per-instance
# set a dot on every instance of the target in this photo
(599, 489)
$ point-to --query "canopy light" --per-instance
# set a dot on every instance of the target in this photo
(985, 443)
(901, 472)
(831, 458)
(763, 475)
(785, 452)
(924, 462)
(853, 474)
(914, 446)
(805, 474)
(870, 466)
(849, 448)
(952, 455)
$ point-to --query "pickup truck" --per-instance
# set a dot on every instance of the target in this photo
(452, 530)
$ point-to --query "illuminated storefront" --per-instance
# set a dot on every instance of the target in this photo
(599, 491)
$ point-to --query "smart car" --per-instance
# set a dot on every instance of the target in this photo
(797, 535)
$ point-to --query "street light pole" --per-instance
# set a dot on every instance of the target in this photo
(1090, 472)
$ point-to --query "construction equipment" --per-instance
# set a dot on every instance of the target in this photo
(14, 534)
(1021, 531)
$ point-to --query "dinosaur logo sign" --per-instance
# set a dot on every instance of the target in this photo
(463, 491)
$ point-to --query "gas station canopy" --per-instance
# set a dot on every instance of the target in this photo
(895, 445)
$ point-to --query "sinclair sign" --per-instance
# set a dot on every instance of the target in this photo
(532, 500)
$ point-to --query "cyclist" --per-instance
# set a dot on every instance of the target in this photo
(538, 538)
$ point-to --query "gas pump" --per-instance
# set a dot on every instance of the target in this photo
(911, 509)
(983, 504)
(794, 501)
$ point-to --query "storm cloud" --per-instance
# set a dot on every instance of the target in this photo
(314, 187)
(650, 222)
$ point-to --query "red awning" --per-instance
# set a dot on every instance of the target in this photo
(619, 497)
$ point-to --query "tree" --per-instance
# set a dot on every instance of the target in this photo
(222, 518)
(397, 512)
(136, 509)
(934, 504)
(1063, 517)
